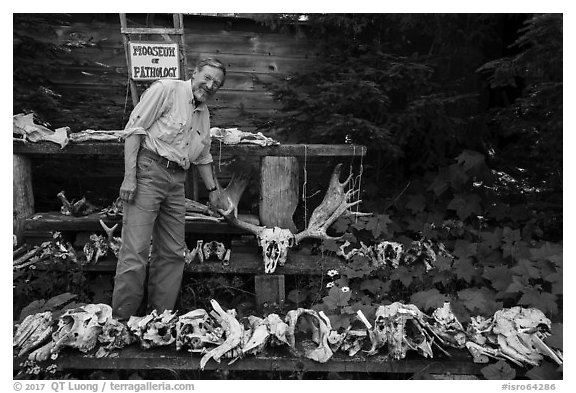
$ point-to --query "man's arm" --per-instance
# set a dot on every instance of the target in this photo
(131, 147)
(217, 198)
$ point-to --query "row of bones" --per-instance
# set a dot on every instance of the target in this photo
(516, 334)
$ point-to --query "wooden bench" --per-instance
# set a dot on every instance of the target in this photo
(280, 359)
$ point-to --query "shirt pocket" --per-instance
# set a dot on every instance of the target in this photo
(172, 128)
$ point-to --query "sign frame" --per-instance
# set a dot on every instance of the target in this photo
(149, 67)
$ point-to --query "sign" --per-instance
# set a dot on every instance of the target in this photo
(154, 60)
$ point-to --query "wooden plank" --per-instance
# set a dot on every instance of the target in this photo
(279, 191)
(117, 148)
(134, 358)
(298, 263)
(151, 30)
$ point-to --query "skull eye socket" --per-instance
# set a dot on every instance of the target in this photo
(291, 242)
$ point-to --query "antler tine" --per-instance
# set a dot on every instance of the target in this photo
(109, 231)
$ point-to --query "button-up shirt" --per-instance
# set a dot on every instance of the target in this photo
(172, 126)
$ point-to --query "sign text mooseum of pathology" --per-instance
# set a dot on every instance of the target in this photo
(151, 60)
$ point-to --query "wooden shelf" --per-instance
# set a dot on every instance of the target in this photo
(117, 149)
(298, 263)
(134, 358)
(55, 221)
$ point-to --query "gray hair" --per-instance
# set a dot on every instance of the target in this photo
(212, 62)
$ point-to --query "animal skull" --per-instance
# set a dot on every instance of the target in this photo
(447, 327)
(275, 243)
(400, 328)
(389, 253)
(155, 329)
(80, 327)
(194, 331)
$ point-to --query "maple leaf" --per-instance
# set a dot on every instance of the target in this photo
(341, 224)
(518, 284)
(466, 205)
(545, 302)
(443, 277)
(556, 280)
(499, 211)
(464, 249)
(416, 203)
(555, 340)
(470, 159)
(479, 301)
(441, 182)
(379, 225)
(500, 277)
(458, 176)
(428, 300)
(404, 275)
(297, 295)
(336, 298)
(443, 263)
(490, 241)
(465, 269)
(330, 245)
(525, 267)
(375, 286)
(498, 370)
(548, 251)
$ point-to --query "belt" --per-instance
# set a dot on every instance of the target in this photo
(159, 159)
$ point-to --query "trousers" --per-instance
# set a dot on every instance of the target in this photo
(153, 231)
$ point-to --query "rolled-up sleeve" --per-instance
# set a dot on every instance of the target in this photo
(151, 106)
(205, 157)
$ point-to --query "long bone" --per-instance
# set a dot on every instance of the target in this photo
(233, 331)
(275, 242)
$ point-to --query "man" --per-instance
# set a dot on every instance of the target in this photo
(168, 130)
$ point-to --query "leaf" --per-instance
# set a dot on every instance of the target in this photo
(443, 263)
(403, 275)
(548, 251)
(479, 301)
(378, 225)
(546, 370)
(336, 298)
(500, 277)
(297, 296)
(470, 159)
(527, 268)
(416, 203)
(330, 245)
(375, 286)
(465, 269)
(466, 205)
(555, 340)
(31, 309)
(464, 249)
(57, 301)
(545, 302)
(498, 370)
(518, 284)
(428, 300)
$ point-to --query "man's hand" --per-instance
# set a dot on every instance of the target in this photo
(128, 189)
(218, 201)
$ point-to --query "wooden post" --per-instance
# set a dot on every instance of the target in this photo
(23, 196)
(279, 182)
(278, 191)
(270, 290)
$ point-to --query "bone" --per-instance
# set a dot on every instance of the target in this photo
(233, 331)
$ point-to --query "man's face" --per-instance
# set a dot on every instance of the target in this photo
(206, 82)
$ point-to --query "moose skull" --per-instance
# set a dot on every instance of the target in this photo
(275, 243)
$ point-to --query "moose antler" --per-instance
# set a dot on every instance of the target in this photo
(276, 241)
(335, 203)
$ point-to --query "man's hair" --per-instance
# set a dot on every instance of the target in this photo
(212, 62)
